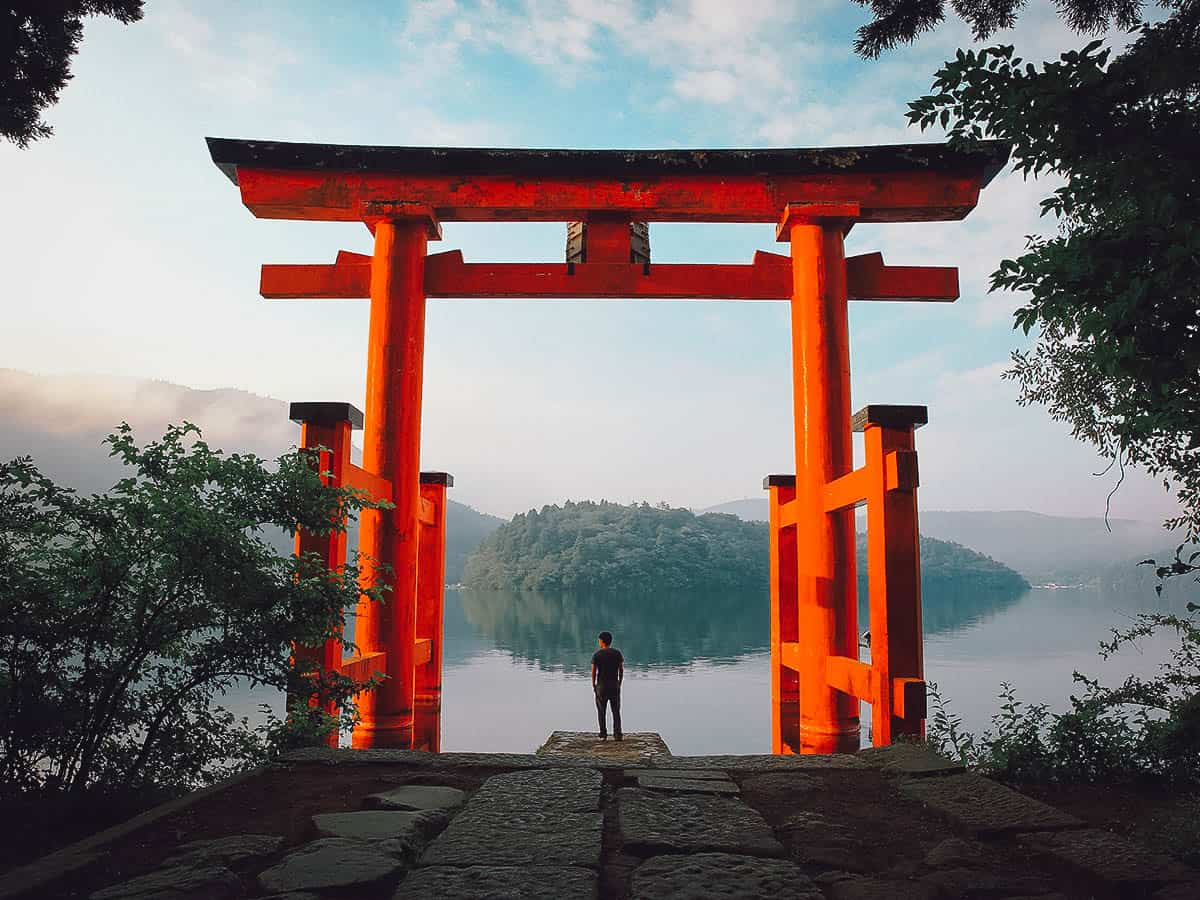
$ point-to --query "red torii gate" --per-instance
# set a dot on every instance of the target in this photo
(814, 196)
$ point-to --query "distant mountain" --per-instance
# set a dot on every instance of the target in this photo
(1045, 549)
(61, 421)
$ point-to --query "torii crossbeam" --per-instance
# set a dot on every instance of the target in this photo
(814, 196)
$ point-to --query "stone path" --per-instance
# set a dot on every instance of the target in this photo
(891, 823)
(635, 747)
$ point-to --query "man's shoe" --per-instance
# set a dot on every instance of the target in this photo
(604, 737)
(616, 737)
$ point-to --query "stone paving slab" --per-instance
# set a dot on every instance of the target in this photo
(908, 759)
(499, 883)
(985, 806)
(379, 825)
(709, 876)
(416, 797)
(1111, 859)
(332, 863)
(211, 882)
(688, 785)
(651, 823)
(635, 747)
(549, 817)
(693, 774)
(230, 849)
(857, 887)
(568, 790)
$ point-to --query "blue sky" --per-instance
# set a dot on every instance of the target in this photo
(128, 253)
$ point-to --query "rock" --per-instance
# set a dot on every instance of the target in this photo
(635, 747)
(976, 885)
(953, 852)
(213, 882)
(571, 790)
(687, 785)
(652, 823)
(777, 783)
(416, 797)
(716, 875)
(548, 817)
(499, 883)
(331, 863)
(690, 774)
(293, 895)
(840, 855)
(504, 837)
(1109, 859)
(860, 888)
(909, 759)
(380, 825)
(231, 849)
(985, 806)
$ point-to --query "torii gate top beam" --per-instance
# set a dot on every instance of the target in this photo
(330, 182)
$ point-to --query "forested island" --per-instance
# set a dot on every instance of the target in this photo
(590, 546)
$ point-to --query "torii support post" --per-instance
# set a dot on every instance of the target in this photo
(327, 426)
(431, 588)
(785, 682)
(392, 450)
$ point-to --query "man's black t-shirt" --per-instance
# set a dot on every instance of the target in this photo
(608, 661)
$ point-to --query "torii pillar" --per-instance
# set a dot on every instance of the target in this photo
(392, 450)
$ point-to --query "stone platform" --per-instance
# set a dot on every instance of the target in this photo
(586, 819)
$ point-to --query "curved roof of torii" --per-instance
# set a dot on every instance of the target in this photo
(899, 182)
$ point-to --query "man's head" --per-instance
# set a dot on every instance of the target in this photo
(605, 638)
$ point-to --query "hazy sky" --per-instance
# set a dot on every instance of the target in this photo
(126, 252)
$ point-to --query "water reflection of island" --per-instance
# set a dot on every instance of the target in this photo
(558, 631)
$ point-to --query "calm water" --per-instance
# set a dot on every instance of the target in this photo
(517, 666)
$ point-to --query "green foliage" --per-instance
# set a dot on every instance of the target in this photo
(607, 546)
(1142, 727)
(37, 40)
(903, 21)
(1114, 297)
(126, 615)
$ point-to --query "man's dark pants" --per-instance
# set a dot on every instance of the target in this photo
(609, 695)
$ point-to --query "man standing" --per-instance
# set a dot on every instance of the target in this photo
(608, 671)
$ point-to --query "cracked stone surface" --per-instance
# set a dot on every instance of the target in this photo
(548, 817)
(985, 806)
(332, 863)
(687, 785)
(212, 882)
(380, 825)
(230, 849)
(691, 774)
(635, 747)
(416, 797)
(692, 823)
(702, 876)
(953, 852)
(499, 883)
(963, 882)
(909, 759)
(858, 888)
(1110, 858)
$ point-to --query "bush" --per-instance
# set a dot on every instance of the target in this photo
(126, 615)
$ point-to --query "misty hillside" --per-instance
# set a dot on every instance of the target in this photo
(61, 421)
(1043, 548)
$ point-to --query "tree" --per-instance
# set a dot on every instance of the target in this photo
(1114, 296)
(126, 615)
(903, 21)
(37, 40)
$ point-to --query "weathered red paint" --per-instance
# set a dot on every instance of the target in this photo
(769, 277)
(391, 450)
(921, 196)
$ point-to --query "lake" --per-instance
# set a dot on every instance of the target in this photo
(517, 665)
